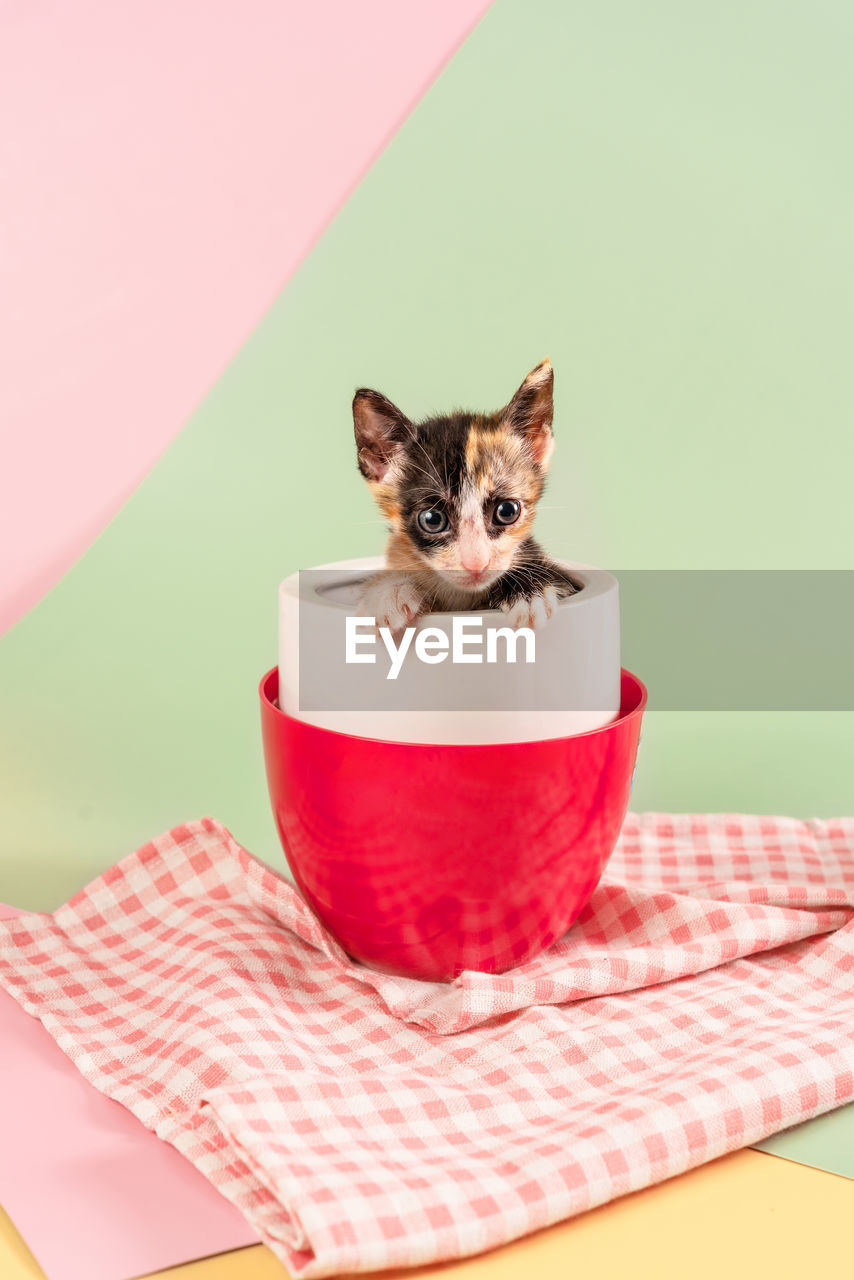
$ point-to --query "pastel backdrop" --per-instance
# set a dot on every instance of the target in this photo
(164, 168)
(658, 198)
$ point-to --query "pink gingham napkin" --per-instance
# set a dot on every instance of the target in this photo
(704, 1000)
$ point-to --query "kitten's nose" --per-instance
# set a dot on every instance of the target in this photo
(475, 565)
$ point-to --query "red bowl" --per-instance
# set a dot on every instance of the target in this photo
(425, 860)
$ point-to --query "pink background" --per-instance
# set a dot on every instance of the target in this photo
(155, 197)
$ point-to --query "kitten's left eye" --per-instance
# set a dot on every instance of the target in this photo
(433, 521)
(507, 512)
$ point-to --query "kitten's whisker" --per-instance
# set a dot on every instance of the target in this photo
(431, 461)
(433, 476)
(434, 483)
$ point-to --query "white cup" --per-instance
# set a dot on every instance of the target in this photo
(571, 686)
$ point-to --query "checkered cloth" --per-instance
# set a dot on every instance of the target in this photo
(704, 1000)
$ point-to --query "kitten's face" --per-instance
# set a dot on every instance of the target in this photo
(460, 491)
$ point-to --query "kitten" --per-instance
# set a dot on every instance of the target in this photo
(460, 493)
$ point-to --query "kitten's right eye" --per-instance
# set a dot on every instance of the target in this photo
(507, 512)
(433, 521)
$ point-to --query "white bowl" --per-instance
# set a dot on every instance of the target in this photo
(571, 686)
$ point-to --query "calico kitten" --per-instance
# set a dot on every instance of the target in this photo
(460, 493)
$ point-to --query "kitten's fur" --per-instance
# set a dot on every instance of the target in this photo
(466, 472)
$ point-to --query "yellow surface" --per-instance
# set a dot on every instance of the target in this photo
(748, 1215)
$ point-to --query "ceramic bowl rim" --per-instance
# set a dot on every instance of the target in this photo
(268, 689)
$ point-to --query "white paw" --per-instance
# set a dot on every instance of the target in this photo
(393, 601)
(534, 612)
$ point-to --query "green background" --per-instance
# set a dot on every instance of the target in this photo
(658, 197)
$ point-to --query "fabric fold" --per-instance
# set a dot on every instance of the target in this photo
(361, 1121)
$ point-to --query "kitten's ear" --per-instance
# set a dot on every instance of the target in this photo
(380, 430)
(531, 410)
